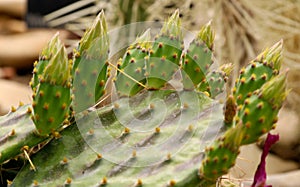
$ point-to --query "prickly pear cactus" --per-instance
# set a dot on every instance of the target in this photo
(156, 135)
(198, 58)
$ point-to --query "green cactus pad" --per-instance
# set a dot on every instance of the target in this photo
(259, 113)
(198, 58)
(258, 72)
(52, 98)
(132, 67)
(214, 84)
(90, 65)
(47, 53)
(17, 131)
(73, 161)
(219, 158)
(165, 54)
(251, 78)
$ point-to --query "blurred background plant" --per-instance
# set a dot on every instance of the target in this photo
(243, 29)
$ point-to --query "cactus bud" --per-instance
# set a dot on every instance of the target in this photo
(207, 35)
(172, 26)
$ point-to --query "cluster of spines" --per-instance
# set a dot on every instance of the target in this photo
(131, 68)
(51, 94)
(90, 69)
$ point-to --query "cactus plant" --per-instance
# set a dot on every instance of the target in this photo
(258, 72)
(135, 140)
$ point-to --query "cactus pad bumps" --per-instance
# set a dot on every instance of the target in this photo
(52, 96)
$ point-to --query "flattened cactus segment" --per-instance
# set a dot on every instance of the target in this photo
(259, 113)
(73, 161)
(47, 53)
(165, 54)
(52, 97)
(258, 72)
(132, 66)
(90, 69)
(17, 131)
(198, 58)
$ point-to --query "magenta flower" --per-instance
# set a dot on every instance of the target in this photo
(260, 176)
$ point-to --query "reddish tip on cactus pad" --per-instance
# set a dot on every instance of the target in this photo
(260, 174)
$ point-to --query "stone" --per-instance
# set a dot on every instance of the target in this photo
(11, 94)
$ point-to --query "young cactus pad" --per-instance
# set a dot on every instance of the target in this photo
(47, 53)
(198, 58)
(52, 96)
(132, 67)
(90, 65)
(165, 53)
(258, 72)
